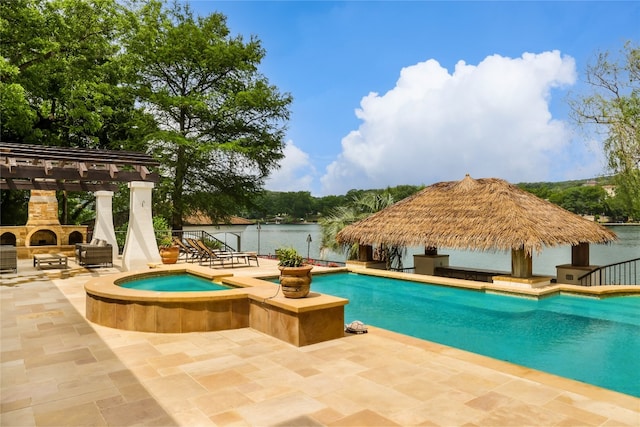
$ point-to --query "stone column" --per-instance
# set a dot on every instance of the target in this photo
(140, 248)
(104, 220)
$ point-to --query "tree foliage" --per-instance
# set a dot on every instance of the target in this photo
(361, 206)
(141, 76)
(220, 123)
(61, 74)
(612, 108)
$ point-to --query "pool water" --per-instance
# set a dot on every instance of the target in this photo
(596, 341)
(174, 283)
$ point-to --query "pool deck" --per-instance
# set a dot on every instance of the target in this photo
(59, 369)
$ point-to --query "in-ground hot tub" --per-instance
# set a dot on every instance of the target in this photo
(249, 302)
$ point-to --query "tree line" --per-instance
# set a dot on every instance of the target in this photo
(582, 197)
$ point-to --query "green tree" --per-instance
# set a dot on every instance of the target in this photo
(612, 107)
(361, 206)
(62, 75)
(581, 200)
(221, 124)
(61, 72)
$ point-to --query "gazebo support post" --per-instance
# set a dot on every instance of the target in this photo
(365, 253)
(427, 263)
(365, 259)
(521, 264)
(522, 272)
(580, 254)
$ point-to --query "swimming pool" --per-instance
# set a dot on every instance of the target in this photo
(174, 283)
(596, 341)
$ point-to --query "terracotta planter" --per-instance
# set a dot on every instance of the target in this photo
(295, 281)
(170, 255)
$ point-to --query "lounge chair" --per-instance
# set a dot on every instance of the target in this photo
(208, 254)
(199, 254)
(190, 253)
(247, 256)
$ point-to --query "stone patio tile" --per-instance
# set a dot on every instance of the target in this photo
(614, 412)
(228, 418)
(327, 416)
(301, 421)
(279, 409)
(191, 417)
(133, 392)
(319, 384)
(528, 391)
(364, 418)
(169, 360)
(212, 365)
(138, 412)
(176, 387)
(369, 394)
(13, 404)
(446, 408)
(18, 418)
(421, 389)
(221, 401)
(56, 358)
(586, 417)
(220, 380)
(489, 401)
(390, 373)
(518, 413)
(475, 384)
(78, 415)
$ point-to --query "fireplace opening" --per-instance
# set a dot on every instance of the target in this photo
(75, 237)
(8, 239)
(43, 238)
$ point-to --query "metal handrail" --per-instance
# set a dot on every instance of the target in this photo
(619, 273)
(202, 235)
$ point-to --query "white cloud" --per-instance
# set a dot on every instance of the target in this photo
(488, 120)
(295, 172)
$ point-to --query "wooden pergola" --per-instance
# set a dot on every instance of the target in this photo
(44, 169)
(39, 167)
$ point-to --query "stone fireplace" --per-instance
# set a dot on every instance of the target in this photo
(43, 233)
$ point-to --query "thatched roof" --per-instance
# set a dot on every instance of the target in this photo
(475, 214)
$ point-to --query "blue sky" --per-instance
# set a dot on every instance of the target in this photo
(389, 93)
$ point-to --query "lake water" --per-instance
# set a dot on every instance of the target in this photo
(272, 236)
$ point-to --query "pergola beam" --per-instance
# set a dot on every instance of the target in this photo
(24, 167)
(108, 175)
(10, 184)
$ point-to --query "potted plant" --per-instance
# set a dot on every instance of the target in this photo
(295, 275)
(169, 251)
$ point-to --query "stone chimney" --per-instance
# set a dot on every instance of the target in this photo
(43, 208)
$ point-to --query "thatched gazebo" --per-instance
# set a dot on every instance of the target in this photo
(479, 214)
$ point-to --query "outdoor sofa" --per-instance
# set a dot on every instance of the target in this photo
(8, 258)
(98, 252)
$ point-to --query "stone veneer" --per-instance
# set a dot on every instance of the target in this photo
(43, 220)
(252, 304)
